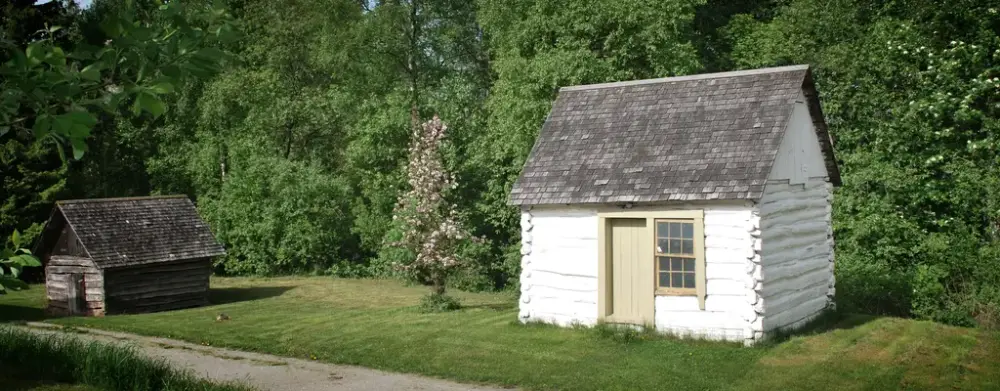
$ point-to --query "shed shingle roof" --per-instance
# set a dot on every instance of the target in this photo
(700, 137)
(130, 231)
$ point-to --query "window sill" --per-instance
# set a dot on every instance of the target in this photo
(676, 292)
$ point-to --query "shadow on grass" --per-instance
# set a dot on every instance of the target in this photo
(828, 321)
(236, 295)
(9, 313)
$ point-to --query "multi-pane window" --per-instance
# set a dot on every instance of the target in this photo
(675, 256)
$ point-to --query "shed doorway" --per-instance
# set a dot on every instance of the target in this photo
(628, 238)
(77, 291)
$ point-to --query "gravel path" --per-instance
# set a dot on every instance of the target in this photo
(266, 372)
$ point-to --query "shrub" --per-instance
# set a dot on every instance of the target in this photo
(439, 302)
(279, 216)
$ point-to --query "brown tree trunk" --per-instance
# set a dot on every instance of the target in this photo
(412, 64)
(439, 287)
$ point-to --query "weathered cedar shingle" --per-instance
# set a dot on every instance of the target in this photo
(706, 137)
(132, 231)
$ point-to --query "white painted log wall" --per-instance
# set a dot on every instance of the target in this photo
(797, 237)
(559, 265)
(559, 273)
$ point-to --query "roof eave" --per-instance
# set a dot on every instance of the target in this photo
(826, 140)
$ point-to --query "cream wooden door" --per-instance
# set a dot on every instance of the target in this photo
(629, 240)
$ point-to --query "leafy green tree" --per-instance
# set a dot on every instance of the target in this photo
(54, 97)
(537, 47)
(32, 174)
(912, 107)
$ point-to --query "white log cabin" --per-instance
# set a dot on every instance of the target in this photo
(699, 205)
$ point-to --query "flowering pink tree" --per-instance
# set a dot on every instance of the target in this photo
(430, 226)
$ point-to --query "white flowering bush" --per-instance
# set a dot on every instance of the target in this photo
(429, 227)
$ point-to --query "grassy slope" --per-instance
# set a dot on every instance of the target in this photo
(376, 324)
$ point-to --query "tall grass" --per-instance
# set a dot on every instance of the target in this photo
(65, 359)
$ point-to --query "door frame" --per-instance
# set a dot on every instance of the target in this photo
(76, 294)
(647, 307)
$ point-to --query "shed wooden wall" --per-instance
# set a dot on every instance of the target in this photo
(158, 287)
(58, 272)
(68, 244)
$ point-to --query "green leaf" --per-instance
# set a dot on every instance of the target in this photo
(91, 72)
(15, 238)
(213, 54)
(11, 283)
(150, 103)
(140, 34)
(4, 130)
(112, 27)
(56, 57)
(62, 124)
(27, 261)
(79, 148)
(35, 52)
(171, 71)
(82, 118)
(15, 271)
(162, 87)
(42, 125)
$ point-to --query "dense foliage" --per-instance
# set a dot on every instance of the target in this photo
(296, 153)
(54, 88)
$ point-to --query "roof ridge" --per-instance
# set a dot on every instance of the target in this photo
(699, 76)
(139, 198)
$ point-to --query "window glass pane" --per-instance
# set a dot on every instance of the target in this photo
(661, 229)
(689, 265)
(688, 230)
(687, 246)
(675, 264)
(676, 280)
(675, 230)
(661, 246)
(688, 280)
(664, 280)
(675, 246)
(664, 263)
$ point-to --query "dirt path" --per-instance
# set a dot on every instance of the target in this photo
(266, 372)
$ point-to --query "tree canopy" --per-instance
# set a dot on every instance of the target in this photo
(296, 150)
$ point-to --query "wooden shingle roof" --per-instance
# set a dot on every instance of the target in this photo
(701, 137)
(118, 232)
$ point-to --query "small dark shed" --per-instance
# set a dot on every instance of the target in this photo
(126, 255)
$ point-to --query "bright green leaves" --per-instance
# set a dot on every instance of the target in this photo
(52, 95)
(43, 123)
(14, 258)
(91, 72)
(148, 102)
(162, 87)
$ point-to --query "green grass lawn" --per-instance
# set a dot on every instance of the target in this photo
(377, 324)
